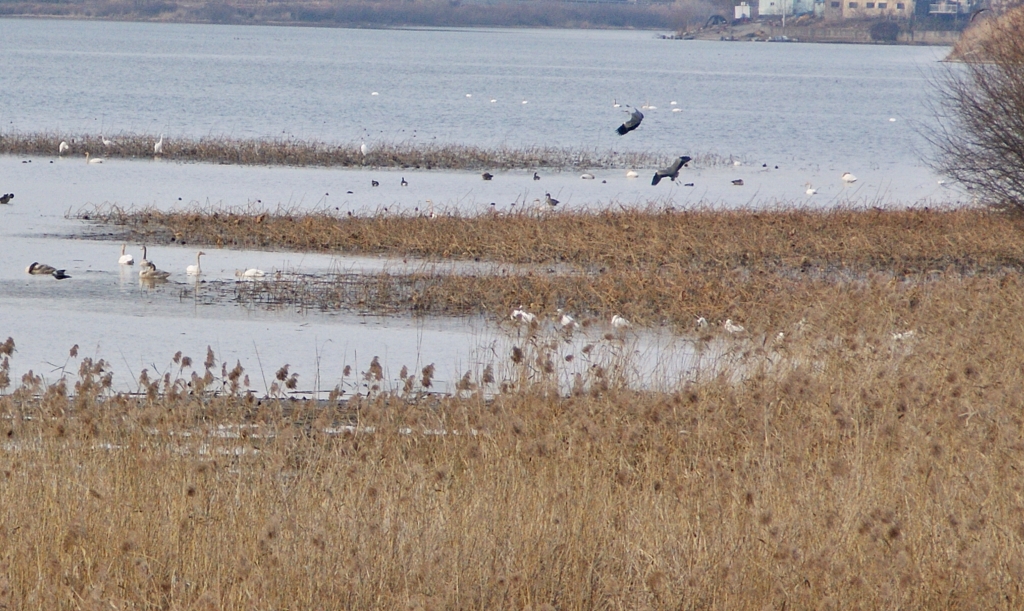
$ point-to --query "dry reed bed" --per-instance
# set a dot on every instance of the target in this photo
(649, 266)
(914, 240)
(295, 152)
(846, 471)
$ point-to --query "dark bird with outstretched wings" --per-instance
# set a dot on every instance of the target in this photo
(631, 123)
(672, 171)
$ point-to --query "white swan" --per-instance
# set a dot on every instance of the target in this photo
(195, 270)
(125, 259)
(848, 178)
(619, 322)
(63, 147)
(250, 273)
(810, 190)
(363, 148)
(92, 159)
(158, 148)
(587, 176)
(632, 174)
(615, 104)
(566, 321)
(107, 142)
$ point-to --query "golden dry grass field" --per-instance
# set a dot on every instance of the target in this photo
(870, 457)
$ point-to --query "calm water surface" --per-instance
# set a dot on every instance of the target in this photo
(788, 114)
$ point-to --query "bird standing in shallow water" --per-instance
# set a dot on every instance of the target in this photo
(125, 259)
(550, 200)
(158, 148)
(671, 171)
(62, 148)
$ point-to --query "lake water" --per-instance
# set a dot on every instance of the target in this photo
(786, 113)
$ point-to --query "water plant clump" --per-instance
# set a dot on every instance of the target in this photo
(294, 152)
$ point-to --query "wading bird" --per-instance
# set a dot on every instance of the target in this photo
(521, 315)
(125, 259)
(671, 171)
(732, 327)
(153, 274)
(158, 148)
(107, 142)
(40, 269)
(195, 270)
(363, 148)
(145, 263)
(631, 123)
(63, 147)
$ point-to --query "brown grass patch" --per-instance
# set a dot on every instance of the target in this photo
(292, 152)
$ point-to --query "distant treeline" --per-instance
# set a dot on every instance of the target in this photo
(438, 13)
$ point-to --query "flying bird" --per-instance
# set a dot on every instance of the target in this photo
(631, 123)
(671, 171)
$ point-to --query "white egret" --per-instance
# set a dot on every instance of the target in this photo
(732, 327)
(363, 148)
(107, 142)
(158, 148)
(195, 270)
(125, 259)
(521, 315)
(63, 147)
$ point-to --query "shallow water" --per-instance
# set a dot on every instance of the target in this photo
(788, 114)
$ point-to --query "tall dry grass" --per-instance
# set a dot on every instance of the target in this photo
(841, 469)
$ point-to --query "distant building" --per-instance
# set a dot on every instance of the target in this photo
(869, 9)
(770, 8)
(742, 11)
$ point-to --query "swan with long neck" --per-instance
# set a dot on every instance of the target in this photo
(145, 263)
(125, 259)
(195, 270)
